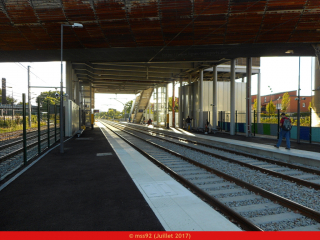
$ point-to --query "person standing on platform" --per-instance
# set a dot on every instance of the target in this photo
(188, 121)
(285, 127)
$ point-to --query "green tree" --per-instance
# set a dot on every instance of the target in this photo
(110, 113)
(49, 96)
(255, 105)
(285, 103)
(271, 108)
(128, 106)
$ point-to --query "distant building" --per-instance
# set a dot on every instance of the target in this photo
(276, 98)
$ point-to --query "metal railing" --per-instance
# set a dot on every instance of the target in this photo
(307, 130)
(20, 140)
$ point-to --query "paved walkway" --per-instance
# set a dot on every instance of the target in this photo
(76, 191)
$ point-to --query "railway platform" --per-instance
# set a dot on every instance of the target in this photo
(303, 152)
(100, 183)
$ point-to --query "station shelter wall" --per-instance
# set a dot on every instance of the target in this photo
(71, 117)
(191, 108)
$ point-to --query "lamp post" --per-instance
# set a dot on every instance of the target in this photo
(298, 115)
(270, 98)
(278, 103)
(75, 25)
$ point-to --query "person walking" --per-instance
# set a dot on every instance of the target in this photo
(285, 127)
(188, 121)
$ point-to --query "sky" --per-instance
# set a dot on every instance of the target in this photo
(280, 73)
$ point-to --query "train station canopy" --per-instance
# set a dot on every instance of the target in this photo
(153, 41)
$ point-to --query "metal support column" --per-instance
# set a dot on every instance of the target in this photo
(180, 105)
(232, 96)
(157, 104)
(167, 106)
(173, 103)
(39, 128)
(29, 98)
(79, 118)
(215, 98)
(298, 115)
(48, 118)
(24, 122)
(201, 100)
(189, 97)
(259, 98)
(55, 123)
(90, 99)
(248, 98)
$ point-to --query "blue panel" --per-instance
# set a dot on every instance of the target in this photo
(315, 134)
(260, 128)
(293, 132)
(241, 127)
(274, 129)
(228, 127)
(304, 133)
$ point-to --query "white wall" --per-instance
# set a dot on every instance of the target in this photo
(71, 118)
(223, 99)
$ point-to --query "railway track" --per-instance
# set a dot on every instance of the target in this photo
(14, 136)
(11, 151)
(246, 193)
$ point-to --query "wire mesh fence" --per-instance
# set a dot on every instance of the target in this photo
(26, 133)
(305, 126)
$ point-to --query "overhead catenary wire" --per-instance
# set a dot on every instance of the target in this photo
(31, 72)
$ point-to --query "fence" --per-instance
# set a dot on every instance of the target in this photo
(309, 128)
(21, 138)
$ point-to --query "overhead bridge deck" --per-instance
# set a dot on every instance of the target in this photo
(101, 183)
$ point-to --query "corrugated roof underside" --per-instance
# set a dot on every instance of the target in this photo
(26, 24)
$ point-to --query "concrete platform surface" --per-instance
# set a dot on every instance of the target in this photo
(100, 183)
(176, 207)
(76, 191)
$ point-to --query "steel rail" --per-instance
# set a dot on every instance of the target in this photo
(263, 170)
(213, 202)
(19, 141)
(308, 212)
(289, 165)
(18, 133)
(18, 151)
